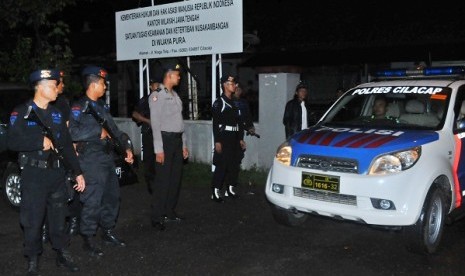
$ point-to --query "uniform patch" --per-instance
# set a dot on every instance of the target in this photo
(56, 117)
(13, 117)
(154, 98)
(76, 110)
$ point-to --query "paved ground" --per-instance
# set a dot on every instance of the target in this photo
(238, 238)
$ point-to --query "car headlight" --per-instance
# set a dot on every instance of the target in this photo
(284, 153)
(395, 162)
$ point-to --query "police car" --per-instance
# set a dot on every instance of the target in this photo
(405, 171)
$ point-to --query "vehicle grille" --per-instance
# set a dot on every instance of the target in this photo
(327, 164)
(326, 196)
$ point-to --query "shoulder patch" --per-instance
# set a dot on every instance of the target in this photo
(76, 111)
(13, 117)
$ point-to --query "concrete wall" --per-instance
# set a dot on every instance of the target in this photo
(199, 142)
(275, 90)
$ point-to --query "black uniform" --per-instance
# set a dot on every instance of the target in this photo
(227, 130)
(244, 113)
(147, 141)
(62, 103)
(101, 197)
(43, 188)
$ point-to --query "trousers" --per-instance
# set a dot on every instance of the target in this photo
(43, 195)
(101, 198)
(227, 163)
(167, 182)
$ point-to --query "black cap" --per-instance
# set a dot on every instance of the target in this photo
(171, 66)
(95, 71)
(301, 84)
(226, 78)
(44, 74)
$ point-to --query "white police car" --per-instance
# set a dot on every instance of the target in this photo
(405, 170)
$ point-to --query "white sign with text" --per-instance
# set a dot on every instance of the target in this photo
(188, 28)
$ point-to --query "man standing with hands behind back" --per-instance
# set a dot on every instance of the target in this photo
(169, 141)
(141, 115)
(228, 134)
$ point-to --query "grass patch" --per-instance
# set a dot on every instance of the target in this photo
(200, 175)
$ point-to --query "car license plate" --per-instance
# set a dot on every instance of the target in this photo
(329, 183)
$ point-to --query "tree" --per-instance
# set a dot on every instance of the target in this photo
(32, 36)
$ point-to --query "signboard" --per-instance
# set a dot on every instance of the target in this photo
(187, 28)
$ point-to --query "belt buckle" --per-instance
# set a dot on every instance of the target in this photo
(42, 164)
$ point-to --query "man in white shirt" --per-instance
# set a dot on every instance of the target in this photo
(296, 113)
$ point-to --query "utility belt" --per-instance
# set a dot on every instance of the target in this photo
(229, 128)
(171, 134)
(104, 145)
(37, 163)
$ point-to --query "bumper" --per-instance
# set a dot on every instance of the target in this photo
(356, 195)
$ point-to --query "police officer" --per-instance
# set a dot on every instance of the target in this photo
(141, 115)
(43, 158)
(94, 146)
(244, 111)
(169, 141)
(380, 109)
(62, 103)
(228, 134)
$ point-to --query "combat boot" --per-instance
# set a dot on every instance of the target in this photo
(230, 193)
(64, 259)
(33, 265)
(90, 247)
(216, 195)
(109, 238)
(73, 226)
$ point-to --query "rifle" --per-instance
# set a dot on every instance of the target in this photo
(253, 133)
(32, 116)
(119, 148)
(57, 152)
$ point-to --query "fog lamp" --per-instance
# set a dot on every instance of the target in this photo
(383, 204)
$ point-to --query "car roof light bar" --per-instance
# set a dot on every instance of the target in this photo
(428, 71)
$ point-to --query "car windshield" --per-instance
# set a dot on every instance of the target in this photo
(416, 107)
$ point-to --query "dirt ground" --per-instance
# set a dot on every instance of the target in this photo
(238, 237)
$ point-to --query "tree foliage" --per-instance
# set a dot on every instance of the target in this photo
(33, 35)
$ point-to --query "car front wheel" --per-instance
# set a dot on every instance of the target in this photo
(11, 186)
(288, 217)
(425, 235)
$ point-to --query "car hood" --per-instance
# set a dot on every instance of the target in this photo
(362, 144)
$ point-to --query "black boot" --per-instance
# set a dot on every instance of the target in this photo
(64, 259)
(33, 265)
(90, 247)
(73, 226)
(45, 235)
(216, 195)
(109, 238)
(230, 192)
